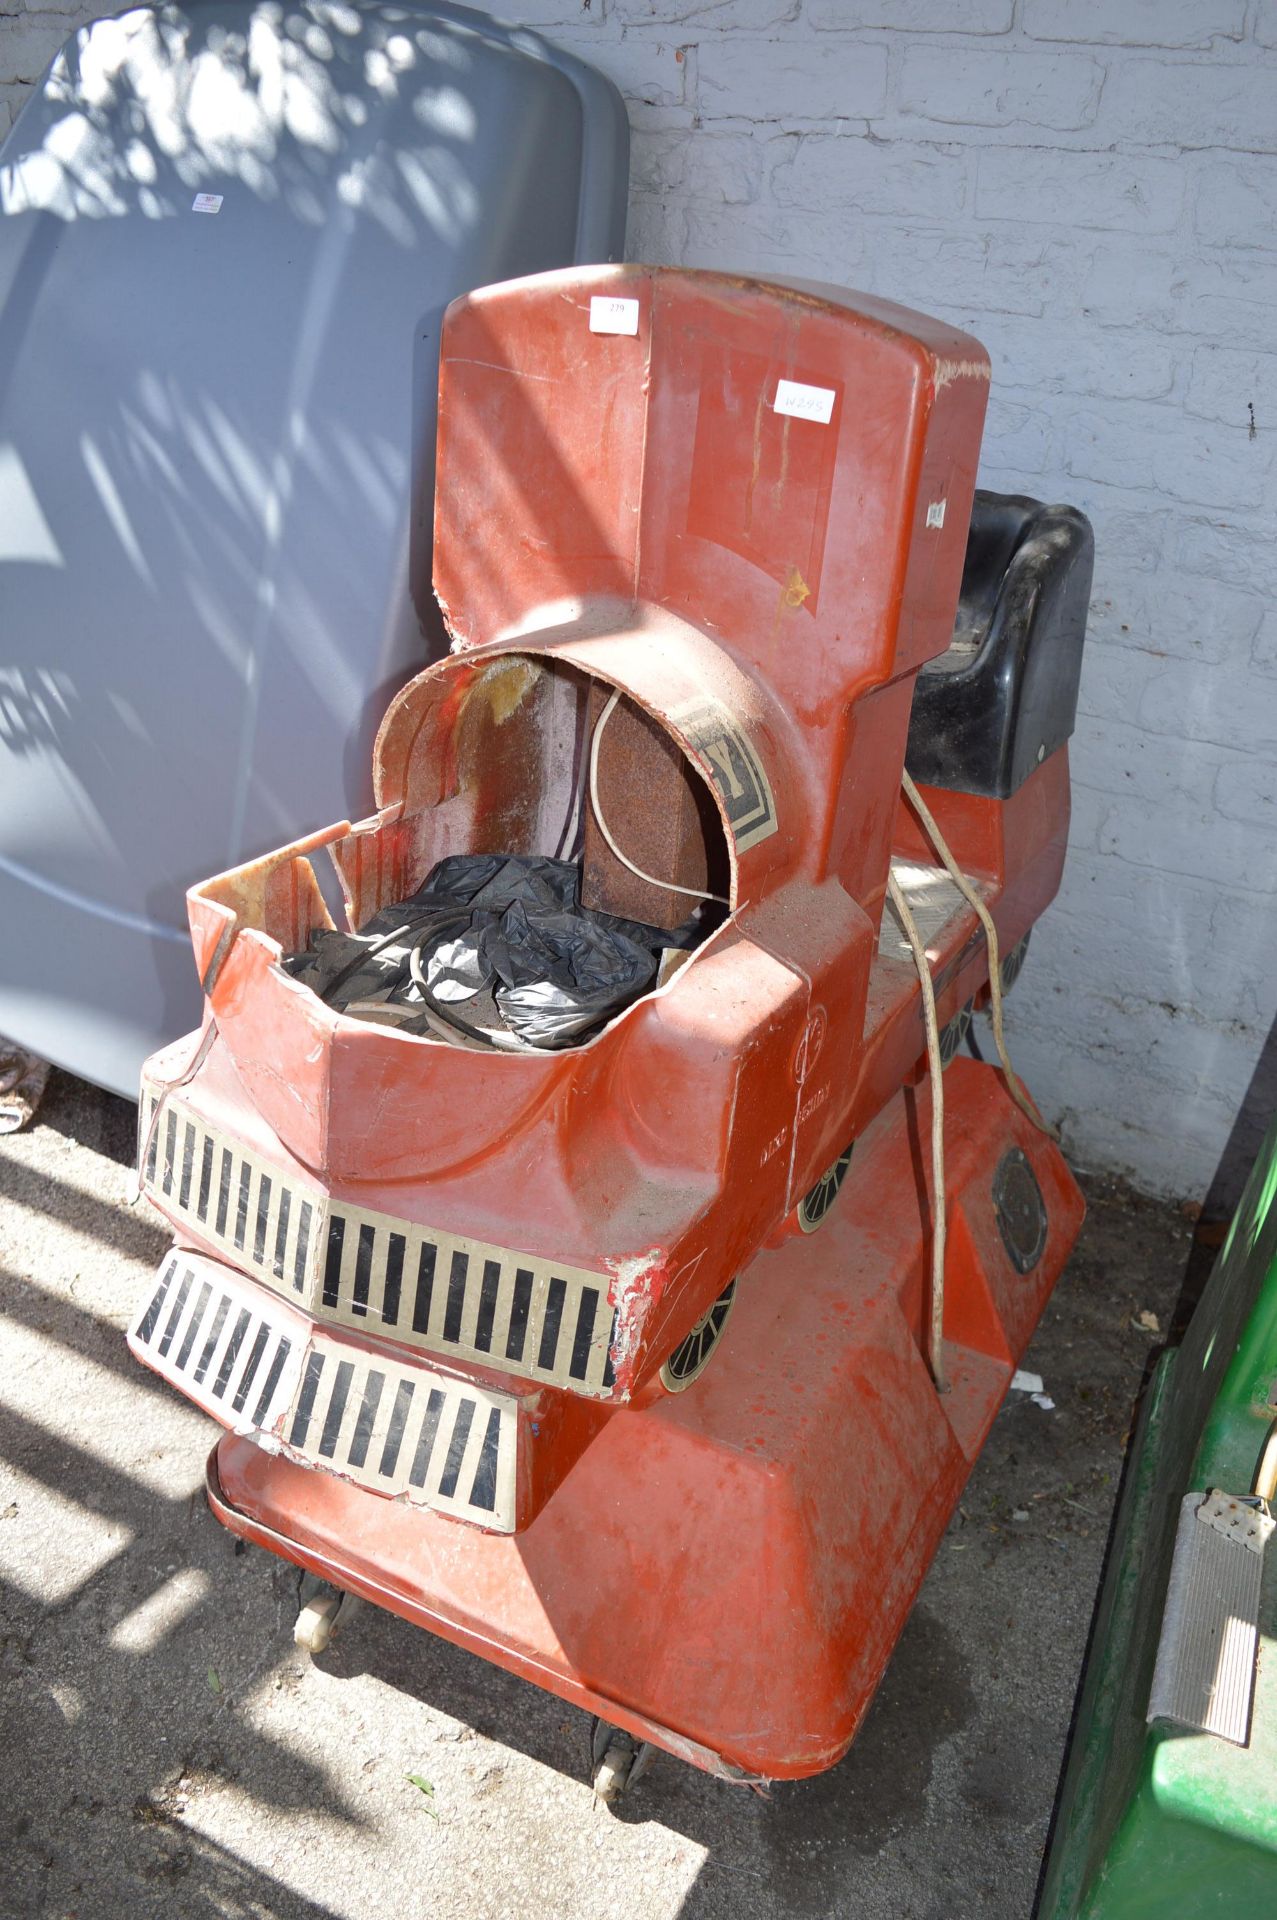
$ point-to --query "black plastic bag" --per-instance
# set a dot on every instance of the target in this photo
(503, 938)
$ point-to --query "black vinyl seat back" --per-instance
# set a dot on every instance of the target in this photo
(1004, 696)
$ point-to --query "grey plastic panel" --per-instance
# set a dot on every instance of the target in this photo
(216, 445)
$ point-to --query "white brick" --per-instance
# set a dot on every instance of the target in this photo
(1192, 103)
(1131, 540)
(654, 231)
(1136, 445)
(1086, 815)
(1148, 23)
(1188, 841)
(1183, 1052)
(1239, 389)
(791, 80)
(775, 240)
(1185, 700)
(12, 100)
(542, 15)
(1133, 283)
(697, 166)
(1230, 296)
(1114, 679)
(1214, 466)
(1266, 23)
(1247, 790)
(1017, 438)
(752, 15)
(1059, 356)
(1237, 200)
(978, 87)
(822, 171)
(27, 45)
(1238, 555)
(1171, 612)
(1243, 935)
(961, 273)
(1134, 193)
(1125, 963)
(1109, 756)
(655, 77)
(1264, 652)
(1178, 1055)
(913, 16)
(1220, 294)
(1109, 932)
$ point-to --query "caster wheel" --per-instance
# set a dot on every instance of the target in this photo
(953, 1035)
(318, 1619)
(814, 1206)
(618, 1759)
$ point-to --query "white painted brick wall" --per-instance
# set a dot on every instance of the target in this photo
(1091, 187)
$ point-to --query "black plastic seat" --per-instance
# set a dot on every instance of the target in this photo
(1004, 695)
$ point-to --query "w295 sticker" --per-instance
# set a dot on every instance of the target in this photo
(805, 403)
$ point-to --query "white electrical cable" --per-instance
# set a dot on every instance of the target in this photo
(935, 1331)
(935, 1340)
(669, 886)
(1014, 1084)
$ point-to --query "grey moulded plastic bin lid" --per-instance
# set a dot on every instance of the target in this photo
(227, 237)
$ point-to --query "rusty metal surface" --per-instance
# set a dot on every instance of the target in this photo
(664, 816)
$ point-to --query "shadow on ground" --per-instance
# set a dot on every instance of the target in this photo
(139, 1773)
(93, 1789)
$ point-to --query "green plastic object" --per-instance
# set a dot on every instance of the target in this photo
(1155, 1820)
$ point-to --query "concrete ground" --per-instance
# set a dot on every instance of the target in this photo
(164, 1750)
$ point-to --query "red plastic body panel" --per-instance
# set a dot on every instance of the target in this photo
(638, 511)
(745, 516)
(726, 1571)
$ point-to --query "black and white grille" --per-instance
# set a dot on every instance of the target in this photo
(396, 1427)
(442, 1292)
(215, 1338)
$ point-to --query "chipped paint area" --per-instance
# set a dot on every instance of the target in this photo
(639, 1283)
(946, 372)
(506, 684)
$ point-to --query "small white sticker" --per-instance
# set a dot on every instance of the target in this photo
(805, 403)
(610, 315)
(207, 203)
(935, 513)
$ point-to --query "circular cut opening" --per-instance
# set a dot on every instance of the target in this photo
(558, 856)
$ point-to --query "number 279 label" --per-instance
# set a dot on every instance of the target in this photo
(611, 314)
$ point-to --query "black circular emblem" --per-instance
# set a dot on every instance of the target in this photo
(1020, 1210)
(953, 1035)
(691, 1356)
(1012, 964)
(813, 1207)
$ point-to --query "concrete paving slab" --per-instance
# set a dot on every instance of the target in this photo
(164, 1749)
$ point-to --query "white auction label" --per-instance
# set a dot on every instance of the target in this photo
(609, 314)
(805, 403)
(207, 203)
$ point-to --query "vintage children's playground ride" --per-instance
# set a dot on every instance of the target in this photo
(496, 1208)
